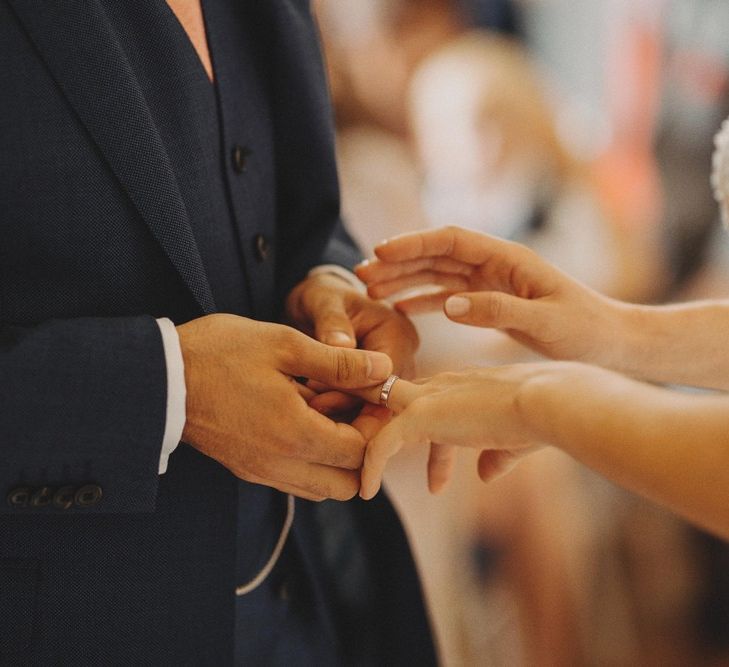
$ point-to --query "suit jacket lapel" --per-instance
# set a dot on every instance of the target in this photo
(88, 63)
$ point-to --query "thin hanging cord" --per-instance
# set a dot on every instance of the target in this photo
(268, 567)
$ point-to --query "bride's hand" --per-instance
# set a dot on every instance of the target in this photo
(476, 408)
(489, 282)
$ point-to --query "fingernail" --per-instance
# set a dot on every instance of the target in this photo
(338, 338)
(457, 306)
(363, 264)
(368, 494)
(437, 486)
(379, 367)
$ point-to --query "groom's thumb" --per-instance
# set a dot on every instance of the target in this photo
(491, 309)
(337, 367)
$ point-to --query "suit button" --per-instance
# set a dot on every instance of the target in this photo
(42, 497)
(240, 158)
(63, 498)
(88, 496)
(283, 592)
(261, 247)
(19, 497)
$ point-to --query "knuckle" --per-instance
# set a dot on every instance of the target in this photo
(287, 344)
(493, 309)
(338, 459)
(526, 252)
(317, 489)
(343, 488)
(419, 406)
(285, 335)
(351, 459)
(452, 233)
(290, 449)
(345, 367)
(346, 490)
(244, 475)
(265, 467)
(418, 410)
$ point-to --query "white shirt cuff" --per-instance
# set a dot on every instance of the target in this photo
(344, 274)
(176, 392)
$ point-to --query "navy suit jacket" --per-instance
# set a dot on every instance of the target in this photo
(103, 561)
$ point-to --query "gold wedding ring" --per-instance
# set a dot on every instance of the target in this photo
(386, 389)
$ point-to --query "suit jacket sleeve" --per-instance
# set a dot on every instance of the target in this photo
(83, 403)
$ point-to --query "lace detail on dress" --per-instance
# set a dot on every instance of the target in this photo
(720, 171)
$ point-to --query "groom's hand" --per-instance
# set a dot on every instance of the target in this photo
(245, 410)
(331, 310)
(328, 308)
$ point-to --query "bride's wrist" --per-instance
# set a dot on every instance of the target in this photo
(618, 334)
(547, 401)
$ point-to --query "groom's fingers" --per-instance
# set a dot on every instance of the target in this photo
(334, 402)
(315, 438)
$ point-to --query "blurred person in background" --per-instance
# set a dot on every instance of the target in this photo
(491, 159)
(670, 90)
(693, 96)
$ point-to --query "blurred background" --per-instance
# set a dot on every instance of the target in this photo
(585, 130)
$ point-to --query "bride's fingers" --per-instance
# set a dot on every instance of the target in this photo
(460, 244)
(440, 466)
(495, 463)
(450, 281)
(371, 419)
(382, 448)
(375, 271)
(402, 394)
(424, 303)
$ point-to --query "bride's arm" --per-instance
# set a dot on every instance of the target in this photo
(678, 344)
(669, 446)
(494, 283)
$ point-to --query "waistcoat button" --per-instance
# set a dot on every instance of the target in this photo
(240, 158)
(261, 247)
